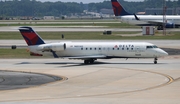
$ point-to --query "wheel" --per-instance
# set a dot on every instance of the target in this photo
(86, 61)
(155, 62)
(160, 28)
(91, 61)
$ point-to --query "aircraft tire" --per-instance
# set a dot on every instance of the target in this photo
(91, 61)
(86, 61)
(155, 62)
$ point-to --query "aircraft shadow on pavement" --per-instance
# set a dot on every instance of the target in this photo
(73, 64)
(47, 63)
(100, 63)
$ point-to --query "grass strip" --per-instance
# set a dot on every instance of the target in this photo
(94, 36)
(17, 53)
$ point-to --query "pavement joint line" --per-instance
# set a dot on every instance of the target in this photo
(2, 79)
(49, 75)
(170, 80)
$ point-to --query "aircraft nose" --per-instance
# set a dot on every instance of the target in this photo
(162, 52)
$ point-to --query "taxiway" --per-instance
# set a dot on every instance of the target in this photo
(107, 81)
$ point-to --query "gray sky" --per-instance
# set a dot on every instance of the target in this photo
(84, 1)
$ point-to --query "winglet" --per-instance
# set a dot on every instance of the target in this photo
(30, 36)
(136, 17)
(118, 9)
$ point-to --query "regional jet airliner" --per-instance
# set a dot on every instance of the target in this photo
(89, 51)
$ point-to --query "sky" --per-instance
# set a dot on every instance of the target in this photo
(84, 1)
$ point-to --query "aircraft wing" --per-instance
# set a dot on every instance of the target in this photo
(160, 22)
(88, 57)
(156, 22)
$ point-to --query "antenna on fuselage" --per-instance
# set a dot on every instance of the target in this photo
(62, 36)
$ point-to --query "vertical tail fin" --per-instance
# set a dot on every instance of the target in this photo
(30, 36)
(118, 9)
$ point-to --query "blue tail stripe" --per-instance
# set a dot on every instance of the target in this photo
(31, 36)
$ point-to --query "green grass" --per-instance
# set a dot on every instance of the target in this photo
(110, 24)
(17, 53)
(91, 35)
(10, 35)
(65, 20)
(11, 53)
(107, 25)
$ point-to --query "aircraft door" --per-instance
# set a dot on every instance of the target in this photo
(107, 51)
(137, 51)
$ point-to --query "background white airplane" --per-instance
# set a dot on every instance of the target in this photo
(89, 51)
(172, 21)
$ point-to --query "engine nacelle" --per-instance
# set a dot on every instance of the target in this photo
(170, 25)
(53, 47)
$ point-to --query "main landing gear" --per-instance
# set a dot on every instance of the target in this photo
(160, 27)
(155, 60)
(89, 61)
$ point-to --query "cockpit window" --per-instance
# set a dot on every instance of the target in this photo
(155, 46)
(151, 47)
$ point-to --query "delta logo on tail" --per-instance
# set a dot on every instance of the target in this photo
(118, 9)
(31, 37)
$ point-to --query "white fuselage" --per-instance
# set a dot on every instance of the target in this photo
(145, 18)
(108, 49)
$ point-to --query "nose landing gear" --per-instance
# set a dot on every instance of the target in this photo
(155, 60)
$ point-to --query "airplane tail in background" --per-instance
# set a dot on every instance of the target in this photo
(30, 36)
(118, 9)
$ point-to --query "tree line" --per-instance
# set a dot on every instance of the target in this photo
(39, 9)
